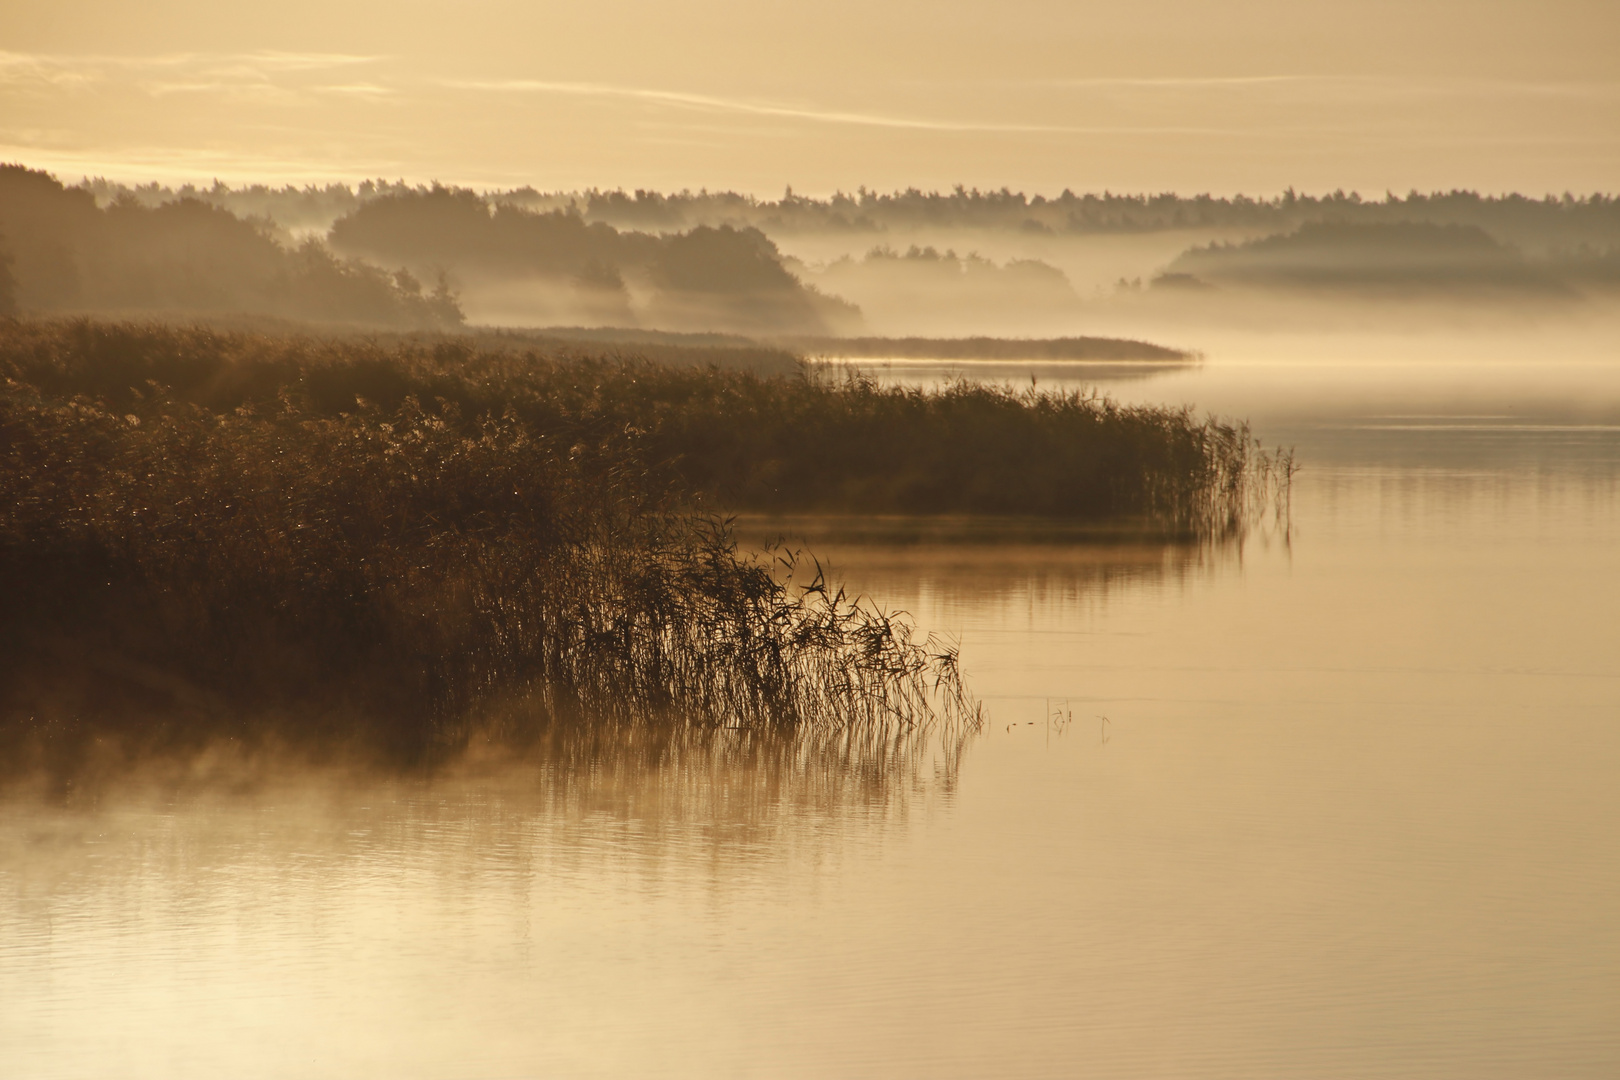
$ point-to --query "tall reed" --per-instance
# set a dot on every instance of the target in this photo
(227, 532)
(395, 571)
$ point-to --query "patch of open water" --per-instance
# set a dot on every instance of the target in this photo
(1342, 803)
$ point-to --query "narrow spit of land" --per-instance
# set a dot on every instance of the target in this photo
(731, 349)
(389, 541)
(985, 348)
(768, 353)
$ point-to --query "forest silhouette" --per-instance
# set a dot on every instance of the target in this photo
(66, 254)
(709, 277)
(1401, 258)
(1565, 220)
(709, 262)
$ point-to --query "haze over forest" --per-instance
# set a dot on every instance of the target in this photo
(910, 262)
(988, 169)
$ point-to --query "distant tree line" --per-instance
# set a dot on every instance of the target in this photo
(1401, 258)
(1529, 222)
(706, 261)
(64, 253)
(104, 247)
(707, 277)
(1565, 220)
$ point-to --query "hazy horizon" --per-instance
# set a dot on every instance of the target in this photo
(965, 263)
(1255, 97)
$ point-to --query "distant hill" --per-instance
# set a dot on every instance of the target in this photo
(64, 253)
(924, 288)
(1407, 258)
(706, 278)
(847, 264)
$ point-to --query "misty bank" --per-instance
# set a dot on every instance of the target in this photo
(391, 541)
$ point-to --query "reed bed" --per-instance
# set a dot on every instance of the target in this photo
(843, 443)
(404, 544)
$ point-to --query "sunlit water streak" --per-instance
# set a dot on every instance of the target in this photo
(1351, 813)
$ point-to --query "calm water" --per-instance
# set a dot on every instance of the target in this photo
(1354, 812)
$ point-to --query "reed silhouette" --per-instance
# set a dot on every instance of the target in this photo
(394, 542)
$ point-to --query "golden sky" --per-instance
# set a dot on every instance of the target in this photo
(1039, 95)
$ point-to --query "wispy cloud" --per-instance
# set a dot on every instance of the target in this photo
(172, 73)
(297, 61)
(711, 103)
(739, 106)
(361, 90)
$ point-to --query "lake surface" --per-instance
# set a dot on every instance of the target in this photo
(1354, 811)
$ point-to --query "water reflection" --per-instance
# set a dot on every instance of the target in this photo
(1455, 400)
(1352, 814)
(267, 917)
(709, 786)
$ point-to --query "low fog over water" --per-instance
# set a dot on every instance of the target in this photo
(1336, 802)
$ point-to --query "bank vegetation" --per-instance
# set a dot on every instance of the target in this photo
(404, 543)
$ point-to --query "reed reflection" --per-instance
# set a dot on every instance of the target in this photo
(675, 786)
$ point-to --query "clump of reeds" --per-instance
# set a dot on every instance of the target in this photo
(849, 444)
(405, 539)
(400, 569)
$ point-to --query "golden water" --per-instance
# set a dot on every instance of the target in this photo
(1354, 812)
